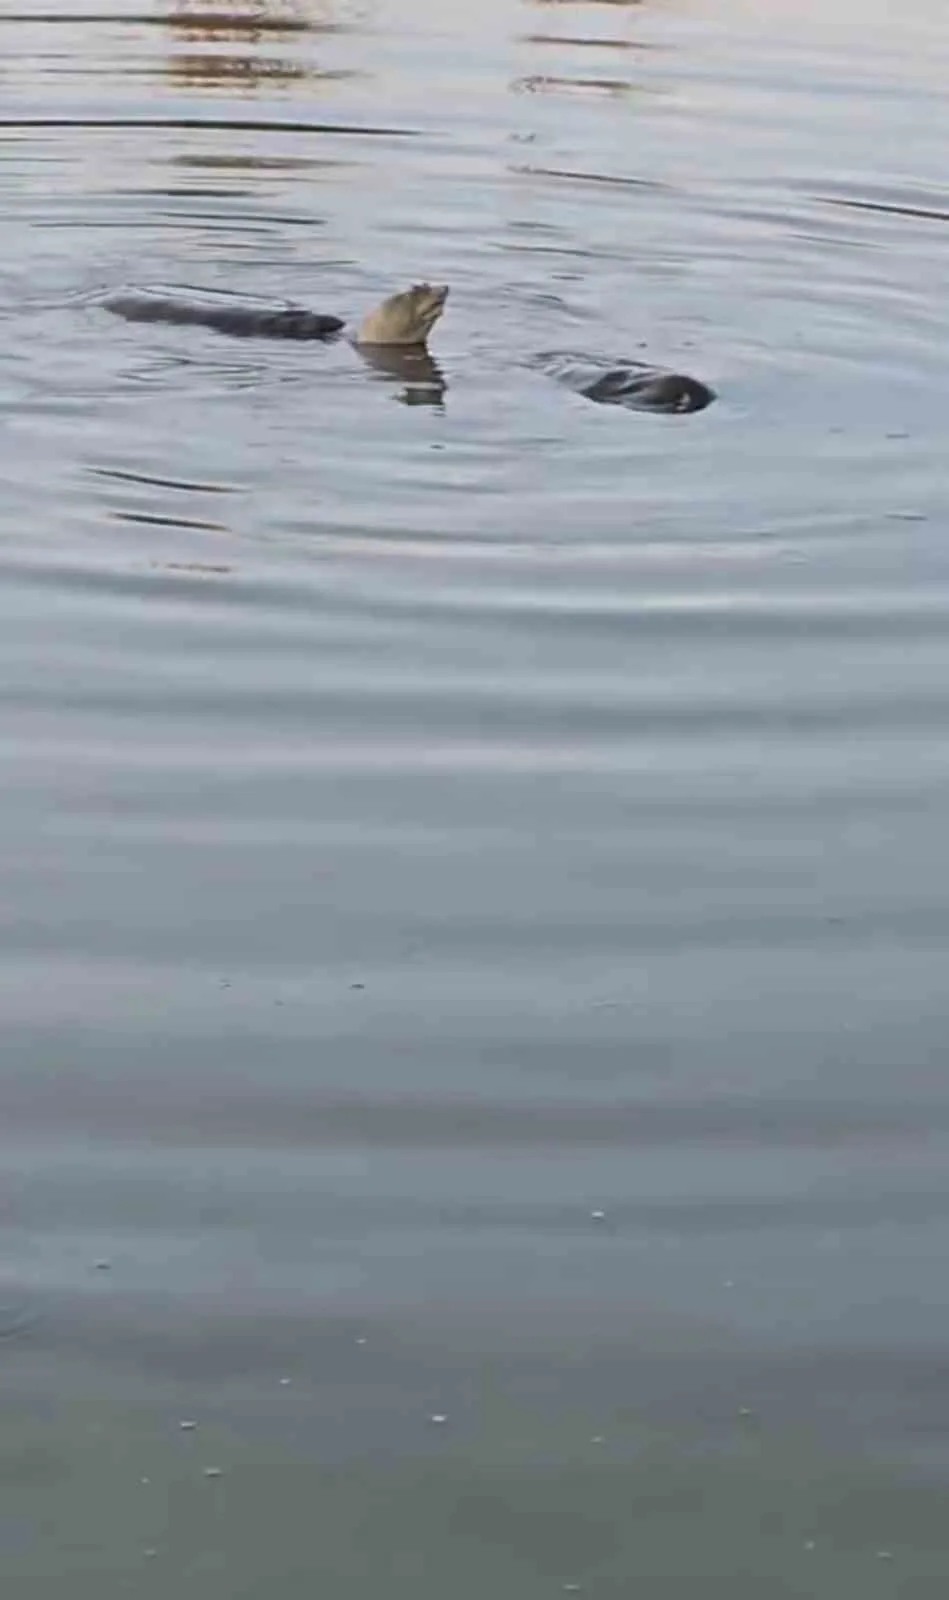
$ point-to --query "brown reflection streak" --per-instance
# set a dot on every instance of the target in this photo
(586, 177)
(584, 44)
(233, 163)
(192, 566)
(247, 162)
(231, 71)
(196, 16)
(248, 24)
(542, 83)
(244, 21)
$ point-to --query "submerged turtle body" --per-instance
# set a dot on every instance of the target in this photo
(633, 384)
(393, 341)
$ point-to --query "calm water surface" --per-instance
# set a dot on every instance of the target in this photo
(472, 876)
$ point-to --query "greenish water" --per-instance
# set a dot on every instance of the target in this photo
(472, 904)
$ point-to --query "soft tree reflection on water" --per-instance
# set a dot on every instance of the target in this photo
(247, 20)
(247, 43)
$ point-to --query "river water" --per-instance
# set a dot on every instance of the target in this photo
(472, 875)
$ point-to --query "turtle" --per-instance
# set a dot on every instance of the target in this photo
(393, 338)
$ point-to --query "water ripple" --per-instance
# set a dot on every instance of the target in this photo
(474, 931)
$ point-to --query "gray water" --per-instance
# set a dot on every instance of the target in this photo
(472, 876)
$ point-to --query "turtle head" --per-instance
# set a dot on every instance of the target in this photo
(406, 318)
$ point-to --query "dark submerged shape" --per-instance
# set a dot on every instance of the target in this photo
(650, 389)
(240, 316)
(633, 384)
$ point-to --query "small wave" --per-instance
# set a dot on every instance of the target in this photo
(213, 124)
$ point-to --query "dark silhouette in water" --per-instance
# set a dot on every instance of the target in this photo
(633, 384)
(393, 340)
(225, 313)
